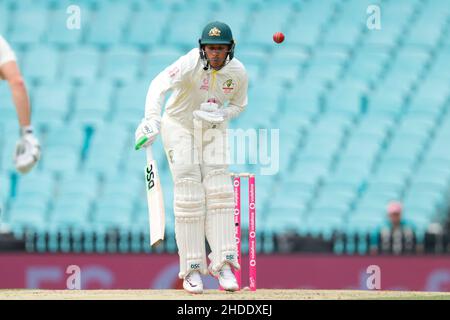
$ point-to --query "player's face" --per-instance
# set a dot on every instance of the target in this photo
(395, 218)
(216, 54)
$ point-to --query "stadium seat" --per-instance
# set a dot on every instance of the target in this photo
(9, 114)
(4, 23)
(28, 26)
(362, 116)
(147, 27)
(27, 212)
(344, 33)
(92, 103)
(51, 103)
(35, 183)
(158, 59)
(363, 224)
(122, 64)
(102, 159)
(279, 224)
(113, 212)
(324, 226)
(108, 24)
(70, 213)
(380, 103)
(59, 34)
(187, 24)
(34, 59)
(78, 185)
(81, 64)
(344, 101)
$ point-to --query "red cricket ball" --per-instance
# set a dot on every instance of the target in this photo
(278, 37)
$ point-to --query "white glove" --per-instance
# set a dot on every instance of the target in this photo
(209, 106)
(210, 113)
(147, 128)
(28, 151)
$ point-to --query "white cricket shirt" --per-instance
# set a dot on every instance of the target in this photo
(191, 85)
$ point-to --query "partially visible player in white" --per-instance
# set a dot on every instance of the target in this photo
(27, 151)
(209, 87)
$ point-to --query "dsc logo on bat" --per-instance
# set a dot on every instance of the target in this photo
(150, 177)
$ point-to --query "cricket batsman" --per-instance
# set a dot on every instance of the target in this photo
(27, 151)
(209, 87)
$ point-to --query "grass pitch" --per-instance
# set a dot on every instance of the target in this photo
(260, 294)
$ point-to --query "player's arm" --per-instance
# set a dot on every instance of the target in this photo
(11, 73)
(168, 79)
(28, 148)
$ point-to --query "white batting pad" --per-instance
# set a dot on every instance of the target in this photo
(220, 220)
(189, 208)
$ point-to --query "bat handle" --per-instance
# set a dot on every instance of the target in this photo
(149, 152)
(140, 143)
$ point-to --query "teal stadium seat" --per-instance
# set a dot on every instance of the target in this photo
(78, 185)
(279, 224)
(35, 58)
(58, 33)
(4, 22)
(384, 103)
(130, 103)
(265, 22)
(51, 103)
(367, 64)
(108, 24)
(345, 100)
(147, 26)
(28, 26)
(363, 224)
(325, 67)
(363, 116)
(63, 146)
(92, 103)
(113, 212)
(236, 16)
(308, 23)
(104, 157)
(9, 114)
(36, 183)
(425, 104)
(80, 64)
(424, 33)
(325, 226)
(28, 212)
(294, 199)
(70, 213)
(122, 64)
(159, 59)
(187, 24)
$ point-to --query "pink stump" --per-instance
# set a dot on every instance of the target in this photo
(252, 232)
(237, 225)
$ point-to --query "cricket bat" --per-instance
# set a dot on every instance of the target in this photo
(155, 199)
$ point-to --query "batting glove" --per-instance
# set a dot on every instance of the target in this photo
(148, 129)
(28, 150)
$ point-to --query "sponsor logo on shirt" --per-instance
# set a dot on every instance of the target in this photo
(205, 84)
(173, 72)
(228, 86)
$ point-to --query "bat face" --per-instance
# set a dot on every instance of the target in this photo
(150, 177)
(155, 203)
